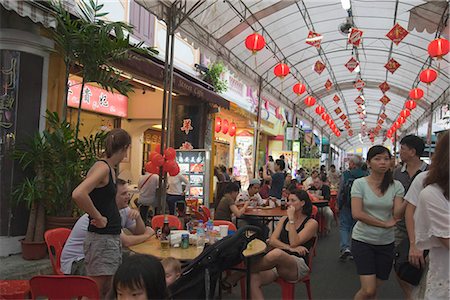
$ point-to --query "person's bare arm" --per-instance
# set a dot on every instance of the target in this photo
(274, 239)
(415, 256)
(134, 239)
(239, 211)
(444, 241)
(359, 214)
(139, 227)
(265, 176)
(399, 207)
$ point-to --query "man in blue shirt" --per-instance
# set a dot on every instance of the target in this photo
(276, 187)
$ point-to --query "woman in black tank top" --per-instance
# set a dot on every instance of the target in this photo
(96, 195)
(291, 241)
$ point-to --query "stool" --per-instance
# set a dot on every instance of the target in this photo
(14, 289)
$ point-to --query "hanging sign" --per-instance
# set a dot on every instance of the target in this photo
(380, 121)
(359, 84)
(352, 64)
(397, 34)
(385, 99)
(314, 39)
(350, 132)
(343, 117)
(355, 37)
(328, 84)
(359, 100)
(384, 87)
(97, 100)
(392, 65)
(319, 67)
(383, 116)
(347, 122)
(187, 126)
(338, 110)
(336, 99)
(359, 109)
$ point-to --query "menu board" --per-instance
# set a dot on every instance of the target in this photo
(194, 165)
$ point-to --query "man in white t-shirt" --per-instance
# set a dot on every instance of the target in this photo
(72, 256)
(252, 195)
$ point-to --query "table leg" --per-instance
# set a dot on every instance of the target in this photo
(247, 285)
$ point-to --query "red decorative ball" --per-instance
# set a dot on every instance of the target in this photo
(416, 93)
(320, 109)
(410, 104)
(438, 48)
(310, 101)
(170, 153)
(281, 70)
(428, 76)
(232, 130)
(218, 125)
(225, 126)
(325, 117)
(151, 168)
(255, 42)
(299, 88)
(405, 113)
(151, 155)
(158, 160)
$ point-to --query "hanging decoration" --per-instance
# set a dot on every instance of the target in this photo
(328, 84)
(232, 130)
(380, 121)
(338, 111)
(401, 120)
(255, 42)
(383, 116)
(438, 48)
(392, 65)
(397, 34)
(225, 126)
(405, 113)
(186, 146)
(343, 117)
(314, 39)
(352, 64)
(266, 105)
(410, 104)
(416, 93)
(347, 122)
(359, 109)
(320, 110)
(299, 88)
(187, 126)
(384, 87)
(359, 100)
(336, 99)
(281, 70)
(428, 76)
(325, 117)
(385, 99)
(355, 36)
(319, 67)
(310, 101)
(359, 84)
(218, 125)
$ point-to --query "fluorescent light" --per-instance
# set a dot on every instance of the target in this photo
(144, 83)
(157, 126)
(345, 4)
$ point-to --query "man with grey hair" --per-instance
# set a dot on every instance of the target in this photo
(346, 221)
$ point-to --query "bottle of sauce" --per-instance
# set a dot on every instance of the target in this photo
(165, 232)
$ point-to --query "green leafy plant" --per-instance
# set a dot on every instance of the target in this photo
(212, 76)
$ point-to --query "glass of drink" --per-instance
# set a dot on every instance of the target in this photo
(165, 244)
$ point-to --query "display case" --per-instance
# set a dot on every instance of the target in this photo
(194, 165)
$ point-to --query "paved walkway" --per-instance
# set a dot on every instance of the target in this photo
(15, 267)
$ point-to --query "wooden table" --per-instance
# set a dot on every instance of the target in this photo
(265, 213)
(153, 247)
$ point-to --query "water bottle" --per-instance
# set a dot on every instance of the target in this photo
(209, 230)
(200, 235)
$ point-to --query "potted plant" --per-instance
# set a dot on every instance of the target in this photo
(213, 76)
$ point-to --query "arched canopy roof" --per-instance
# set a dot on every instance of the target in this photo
(285, 26)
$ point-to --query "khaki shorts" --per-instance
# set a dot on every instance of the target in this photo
(302, 269)
(103, 254)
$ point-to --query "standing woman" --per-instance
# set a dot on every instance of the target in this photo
(96, 196)
(432, 221)
(377, 206)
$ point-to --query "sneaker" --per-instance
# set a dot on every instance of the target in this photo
(344, 254)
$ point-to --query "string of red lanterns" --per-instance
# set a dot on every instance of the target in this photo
(225, 126)
(310, 101)
(281, 70)
(299, 88)
(255, 42)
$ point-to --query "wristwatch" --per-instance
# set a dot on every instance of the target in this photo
(291, 222)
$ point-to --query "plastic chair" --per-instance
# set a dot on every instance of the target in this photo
(174, 222)
(55, 240)
(14, 289)
(288, 289)
(334, 209)
(206, 211)
(63, 287)
(231, 225)
(199, 216)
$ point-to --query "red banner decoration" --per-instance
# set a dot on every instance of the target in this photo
(355, 37)
(352, 64)
(397, 34)
(343, 117)
(97, 100)
(385, 99)
(314, 39)
(359, 84)
(359, 100)
(383, 116)
(380, 121)
(336, 99)
(347, 122)
(319, 67)
(338, 110)
(392, 65)
(328, 84)
(350, 132)
(384, 87)
(359, 109)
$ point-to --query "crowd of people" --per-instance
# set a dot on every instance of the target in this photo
(375, 222)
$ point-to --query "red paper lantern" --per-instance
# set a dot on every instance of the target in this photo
(325, 117)
(255, 42)
(218, 126)
(170, 153)
(428, 76)
(410, 104)
(224, 126)
(329, 122)
(281, 70)
(416, 93)
(438, 48)
(310, 101)
(232, 130)
(401, 120)
(333, 127)
(320, 109)
(158, 160)
(299, 88)
(338, 133)
(405, 113)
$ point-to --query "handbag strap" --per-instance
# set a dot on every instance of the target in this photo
(145, 181)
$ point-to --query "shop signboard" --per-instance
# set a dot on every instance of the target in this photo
(194, 165)
(97, 100)
(243, 159)
(309, 163)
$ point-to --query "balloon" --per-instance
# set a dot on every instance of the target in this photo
(151, 168)
(158, 160)
(169, 166)
(158, 148)
(170, 153)
(175, 171)
(151, 155)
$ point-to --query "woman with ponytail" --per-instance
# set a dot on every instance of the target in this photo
(377, 205)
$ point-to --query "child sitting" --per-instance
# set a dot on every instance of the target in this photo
(172, 268)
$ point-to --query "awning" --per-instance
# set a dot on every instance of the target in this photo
(31, 9)
(153, 69)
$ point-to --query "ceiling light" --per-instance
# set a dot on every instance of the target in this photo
(345, 4)
(157, 126)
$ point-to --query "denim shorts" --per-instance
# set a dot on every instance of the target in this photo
(373, 259)
(103, 254)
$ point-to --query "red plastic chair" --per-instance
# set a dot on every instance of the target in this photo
(332, 203)
(231, 225)
(199, 215)
(174, 222)
(206, 211)
(63, 287)
(14, 289)
(288, 289)
(55, 240)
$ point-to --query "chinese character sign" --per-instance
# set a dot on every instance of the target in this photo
(187, 126)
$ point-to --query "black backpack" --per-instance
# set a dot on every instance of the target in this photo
(347, 193)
